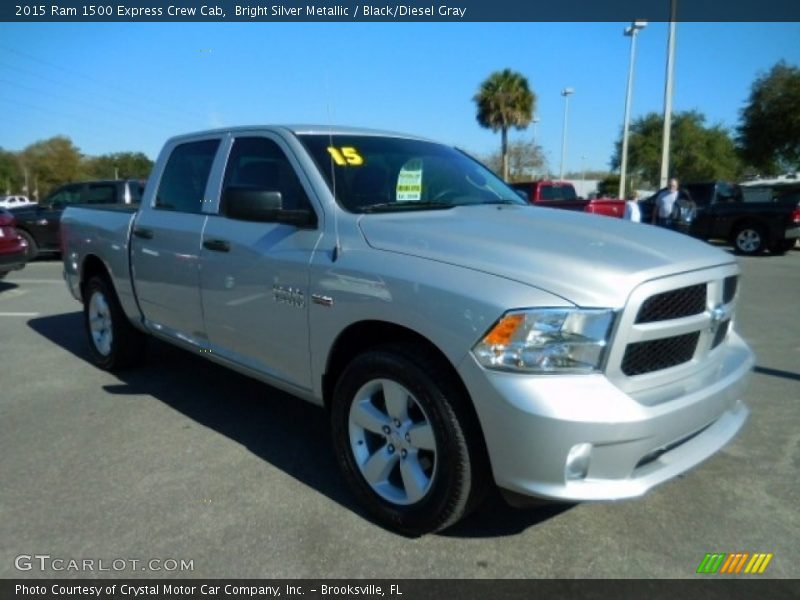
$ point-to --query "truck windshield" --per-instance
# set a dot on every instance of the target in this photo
(378, 174)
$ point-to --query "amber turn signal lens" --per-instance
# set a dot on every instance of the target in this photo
(502, 333)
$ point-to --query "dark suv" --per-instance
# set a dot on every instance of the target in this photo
(39, 223)
(751, 227)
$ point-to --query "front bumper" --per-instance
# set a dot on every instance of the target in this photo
(531, 423)
(13, 261)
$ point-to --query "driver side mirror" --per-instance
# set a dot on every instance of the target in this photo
(265, 206)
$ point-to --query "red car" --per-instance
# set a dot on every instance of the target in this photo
(561, 194)
(13, 248)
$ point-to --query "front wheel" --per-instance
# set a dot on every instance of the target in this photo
(405, 440)
(750, 240)
(113, 342)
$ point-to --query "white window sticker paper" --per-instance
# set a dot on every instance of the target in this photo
(409, 181)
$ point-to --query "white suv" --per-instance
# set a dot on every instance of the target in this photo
(14, 201)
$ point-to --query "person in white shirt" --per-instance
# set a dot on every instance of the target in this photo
(632, 211)
(665, 201)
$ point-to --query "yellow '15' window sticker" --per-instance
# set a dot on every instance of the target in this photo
(409, 181)
(345, 156)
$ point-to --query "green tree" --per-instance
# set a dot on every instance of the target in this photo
(525, 160)
(11, 176)
(504, 100)
(51, 163)
(769, 131)
(697, 152)
(125, 165)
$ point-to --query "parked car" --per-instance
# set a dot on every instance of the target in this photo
(751, 227)
(13, 247)
(14, 201)
(39, 223)
(561, 194)
(456, 335)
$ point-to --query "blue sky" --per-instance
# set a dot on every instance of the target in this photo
(128, 86)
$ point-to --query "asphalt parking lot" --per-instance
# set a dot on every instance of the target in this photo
(184, 460)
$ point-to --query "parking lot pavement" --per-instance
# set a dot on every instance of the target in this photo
(181, 459)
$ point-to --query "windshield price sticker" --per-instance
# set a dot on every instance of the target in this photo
(345, 156)
(409, 181)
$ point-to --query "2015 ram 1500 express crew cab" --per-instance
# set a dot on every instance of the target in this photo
(456, 335)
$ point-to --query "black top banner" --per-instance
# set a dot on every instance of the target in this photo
(407, 11)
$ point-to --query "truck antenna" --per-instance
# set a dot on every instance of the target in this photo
(337, 247)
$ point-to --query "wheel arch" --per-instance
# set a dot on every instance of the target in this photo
(359, 337)
(94, 266)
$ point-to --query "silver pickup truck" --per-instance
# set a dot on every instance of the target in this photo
(458, 337)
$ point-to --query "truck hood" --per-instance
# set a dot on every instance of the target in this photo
(588, 260)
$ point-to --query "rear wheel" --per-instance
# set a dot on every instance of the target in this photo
(405, 442)
(33, 247)
(749, 239)
(113, 342)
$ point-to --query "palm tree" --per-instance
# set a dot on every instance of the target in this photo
(505, 100)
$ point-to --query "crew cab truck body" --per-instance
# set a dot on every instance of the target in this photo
(562, 194)
(456, 335)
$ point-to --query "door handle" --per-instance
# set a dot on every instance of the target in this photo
(217, 245)
(142, 232)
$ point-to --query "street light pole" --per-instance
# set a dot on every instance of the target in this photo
(566, 92)
(632, 32)
(668, 95)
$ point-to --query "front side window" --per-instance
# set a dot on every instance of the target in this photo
(376, 173)
(183, 183)
(258, 163)
(69, 194)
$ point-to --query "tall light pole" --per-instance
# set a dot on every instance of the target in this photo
(668, 95)
(566, 92)
(632, 32)
(535, 121)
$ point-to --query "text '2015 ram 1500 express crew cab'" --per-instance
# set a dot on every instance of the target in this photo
(457, 335)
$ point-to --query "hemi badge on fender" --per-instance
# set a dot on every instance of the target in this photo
(322, 300)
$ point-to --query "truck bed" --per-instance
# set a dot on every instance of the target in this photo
(101, 231)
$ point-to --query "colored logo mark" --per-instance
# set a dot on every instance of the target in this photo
(735, 563)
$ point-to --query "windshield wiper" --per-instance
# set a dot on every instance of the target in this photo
(405, 205)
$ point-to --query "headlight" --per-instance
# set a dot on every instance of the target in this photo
(548, 340)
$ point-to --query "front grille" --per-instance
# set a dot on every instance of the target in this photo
(722, 331)
(654, 355)
(674, 304)
(729, 289)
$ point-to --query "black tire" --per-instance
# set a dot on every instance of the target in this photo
(448, 481)
(113, 342)
(33, 247)
(749, 239)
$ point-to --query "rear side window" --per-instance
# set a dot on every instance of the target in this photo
(102, 193)
(558, 192)
(183, 183)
